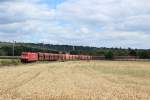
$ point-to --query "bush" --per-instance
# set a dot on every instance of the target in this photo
(109, 55)
(15, 62)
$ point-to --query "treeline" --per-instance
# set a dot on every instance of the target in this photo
(6, 49)
(109, 53)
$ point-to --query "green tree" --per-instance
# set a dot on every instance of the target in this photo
(109, 55)
(132, 53)
(144, 55)
(3, 53)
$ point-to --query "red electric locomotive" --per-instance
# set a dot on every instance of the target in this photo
(29, 57)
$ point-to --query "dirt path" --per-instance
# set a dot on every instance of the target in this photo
(74, 80)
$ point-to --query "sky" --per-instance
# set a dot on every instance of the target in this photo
(98, 23)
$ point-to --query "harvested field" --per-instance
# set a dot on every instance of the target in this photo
(78, 80)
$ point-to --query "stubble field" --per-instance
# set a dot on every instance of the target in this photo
(76, 80)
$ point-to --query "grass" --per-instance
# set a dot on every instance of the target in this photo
(9, 62)
(9, 57)
(76, 80)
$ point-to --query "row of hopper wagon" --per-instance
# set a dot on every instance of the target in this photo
(32, 57)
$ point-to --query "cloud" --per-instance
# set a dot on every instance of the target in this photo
(24, 19)
(110, 16)
(106, 13)
(110, 23)
(21, 11)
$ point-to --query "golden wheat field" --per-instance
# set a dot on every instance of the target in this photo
(76, 80)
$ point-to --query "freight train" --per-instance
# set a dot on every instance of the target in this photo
(33, 57)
